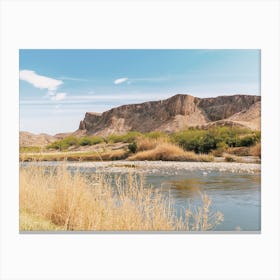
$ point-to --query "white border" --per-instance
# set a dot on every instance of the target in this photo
(140, 24)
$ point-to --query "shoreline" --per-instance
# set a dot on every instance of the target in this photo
(156, 166)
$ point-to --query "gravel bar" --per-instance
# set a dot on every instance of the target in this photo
(157, 166)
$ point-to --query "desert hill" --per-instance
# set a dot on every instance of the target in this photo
(30, 139)
(170, 115)
(27, 139)
(175, 113)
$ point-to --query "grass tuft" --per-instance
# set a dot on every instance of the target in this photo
(56, 199)
(256, 150)
(170, 152)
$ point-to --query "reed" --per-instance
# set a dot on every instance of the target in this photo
(65, 201)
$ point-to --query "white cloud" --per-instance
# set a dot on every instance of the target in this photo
(120, 81)
(39, 81)
(59, 96)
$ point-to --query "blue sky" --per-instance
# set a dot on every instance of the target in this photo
(57, 87)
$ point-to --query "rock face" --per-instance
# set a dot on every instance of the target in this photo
(250, 118)
(223, 107)
(173, 114)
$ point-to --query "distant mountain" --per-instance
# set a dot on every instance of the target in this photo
(27, 139)
(30, 139)
(169, 115)
(175, 113)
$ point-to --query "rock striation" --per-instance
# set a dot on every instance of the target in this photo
(175, 113)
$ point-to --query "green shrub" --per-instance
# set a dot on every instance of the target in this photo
(217, 138)
(71, 141)
(128, 137)
(132, 147)
(199, 141)
(246, 141)
(90, 140)
(65, 143)
(58, 145)
(249, 139)
(221, 147)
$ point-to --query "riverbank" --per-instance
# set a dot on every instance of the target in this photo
(148, 167)
(66, 201)
(123, 154)
(220, 144)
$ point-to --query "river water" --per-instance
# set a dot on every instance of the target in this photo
(235, 189)
(236, 195)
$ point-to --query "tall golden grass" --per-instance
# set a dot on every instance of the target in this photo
(74, 202)
(145, 143)
(256, 150)
(168, 151)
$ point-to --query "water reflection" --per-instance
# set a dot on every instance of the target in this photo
(192, 183)
(236, 195)
(190, 187)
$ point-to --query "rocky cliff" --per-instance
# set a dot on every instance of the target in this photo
(175, 113)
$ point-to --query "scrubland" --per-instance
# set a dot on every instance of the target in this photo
(188, 145)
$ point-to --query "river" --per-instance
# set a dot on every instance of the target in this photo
(235, 188)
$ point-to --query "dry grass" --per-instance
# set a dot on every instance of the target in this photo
(76, 156)
(170, 152)
(145, 143)
(238, 151)
(73, 202)
(201, 218)
(256, 150)
(230, 158)
(30, 222)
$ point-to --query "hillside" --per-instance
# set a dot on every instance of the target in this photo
(27, 139)
(170, 115)
(175, 113)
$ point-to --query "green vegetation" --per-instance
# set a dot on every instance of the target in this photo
(128, 137)
(205, 141)
(69, 141)
(64, 144)
(216, 141)
(90, 140)
(192, 139)
(132, 147)
(30, 149)
(155, 135)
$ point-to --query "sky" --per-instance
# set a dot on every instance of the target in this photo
(57, 87)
